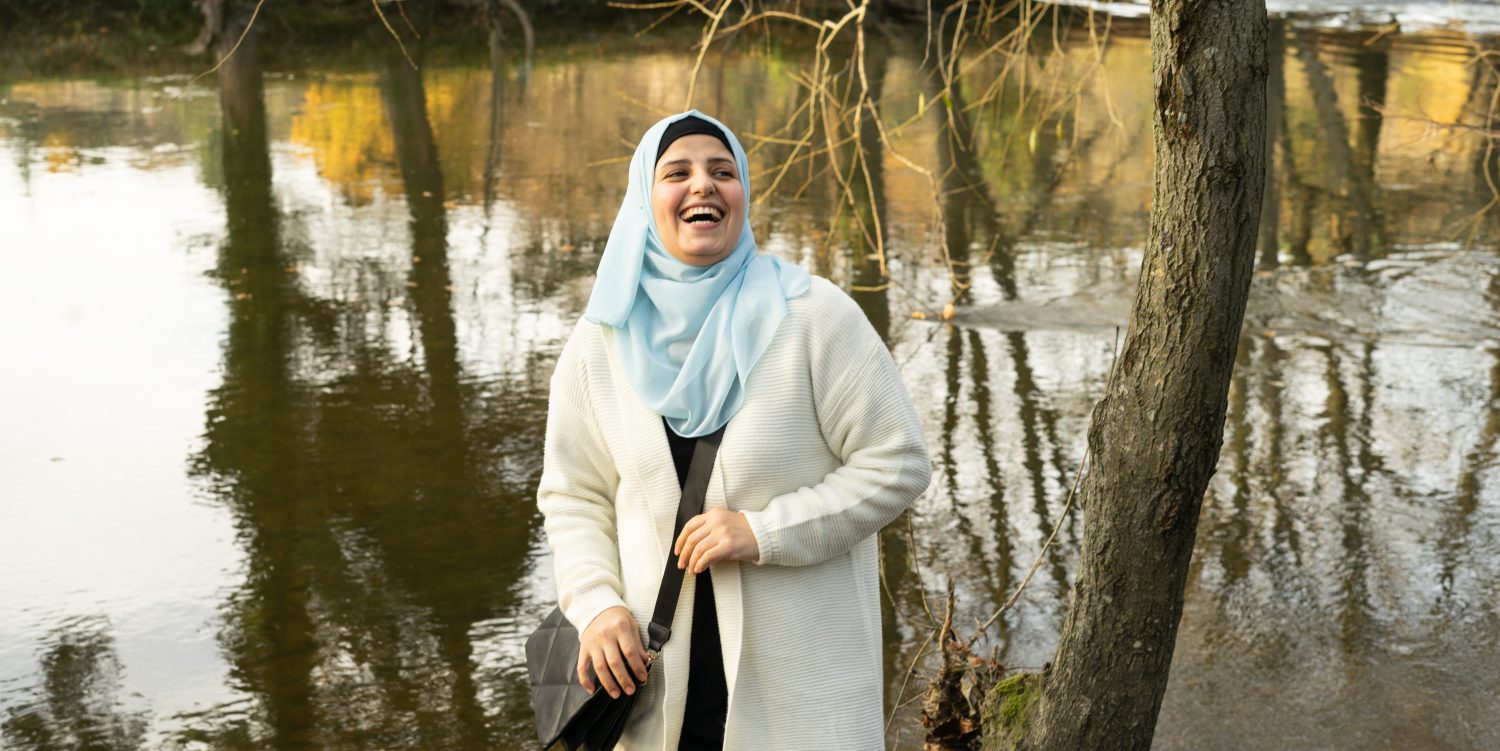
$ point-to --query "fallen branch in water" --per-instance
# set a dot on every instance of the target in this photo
(953, 705)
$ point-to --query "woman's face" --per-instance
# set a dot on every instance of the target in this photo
(698, 200)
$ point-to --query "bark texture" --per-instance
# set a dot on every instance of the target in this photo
(1156, 434)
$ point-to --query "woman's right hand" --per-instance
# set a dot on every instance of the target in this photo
(611, 648)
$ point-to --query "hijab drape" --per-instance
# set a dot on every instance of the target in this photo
(688, 336)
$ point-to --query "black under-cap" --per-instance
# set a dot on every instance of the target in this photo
(692, 125)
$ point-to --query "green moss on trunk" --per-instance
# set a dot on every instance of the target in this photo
(1007, 710)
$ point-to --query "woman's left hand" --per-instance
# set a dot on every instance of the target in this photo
(712, 536)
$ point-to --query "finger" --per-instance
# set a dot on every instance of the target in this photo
(695, 542)
(707, 553)
(635, 656)
(605, 673)
(583, 673)
(619, 670)
(694, 531)
(689, 548)
(687, 529)
(691, 562)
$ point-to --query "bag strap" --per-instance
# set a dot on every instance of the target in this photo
(691, 505)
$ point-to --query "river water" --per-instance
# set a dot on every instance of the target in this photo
(277, 347)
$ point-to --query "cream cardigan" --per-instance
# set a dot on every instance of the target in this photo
(826, 450)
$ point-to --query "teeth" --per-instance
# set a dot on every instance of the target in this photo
(708, 212)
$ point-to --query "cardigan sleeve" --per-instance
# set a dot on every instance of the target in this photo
(576, 493)
(868, 421)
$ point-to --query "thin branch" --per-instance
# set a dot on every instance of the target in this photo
(401, 6)
(767, 14)
(248, 26)
(911, 536)
(909, 671)
(703, 51)
(1067, 506)
(676, 8)
(1492, 134)
(864, 165)
(700, 7)
(376, 5)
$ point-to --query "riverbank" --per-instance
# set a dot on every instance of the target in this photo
(50, 38)
(107, 39)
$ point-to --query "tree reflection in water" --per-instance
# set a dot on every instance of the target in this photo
(77, 704)
(380, 541)
(400, 269)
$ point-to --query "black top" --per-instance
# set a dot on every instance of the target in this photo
(707, 696)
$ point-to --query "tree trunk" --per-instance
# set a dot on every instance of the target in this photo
(1156, 434)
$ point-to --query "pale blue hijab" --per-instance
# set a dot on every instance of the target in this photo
(688, 336)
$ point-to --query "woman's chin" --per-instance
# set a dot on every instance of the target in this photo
(702, 256)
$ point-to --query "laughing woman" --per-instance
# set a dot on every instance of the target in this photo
(776, 643)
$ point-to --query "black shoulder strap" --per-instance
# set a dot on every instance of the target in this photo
(691, 505)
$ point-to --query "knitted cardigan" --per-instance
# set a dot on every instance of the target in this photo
(825, 451)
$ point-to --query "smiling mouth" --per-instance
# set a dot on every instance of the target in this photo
(702, 216)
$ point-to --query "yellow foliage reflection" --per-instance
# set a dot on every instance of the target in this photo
(342, 125)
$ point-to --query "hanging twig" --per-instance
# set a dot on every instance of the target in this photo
(388, 27)
(708, 36)
(1067, 506)
(902, 691)
(246, 32)
(401, 6)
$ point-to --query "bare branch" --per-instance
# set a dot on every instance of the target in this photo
(248, 26)
(376, 5)
(1067, 506)
(703, 51)
(401, 6)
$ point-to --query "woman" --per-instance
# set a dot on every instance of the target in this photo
(776, 639)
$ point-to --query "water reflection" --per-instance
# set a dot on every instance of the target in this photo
(77, 702)
(402, 253)
(362, 477)
(1481, 109)
(253, 439)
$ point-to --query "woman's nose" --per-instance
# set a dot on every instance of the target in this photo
(702, 184)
